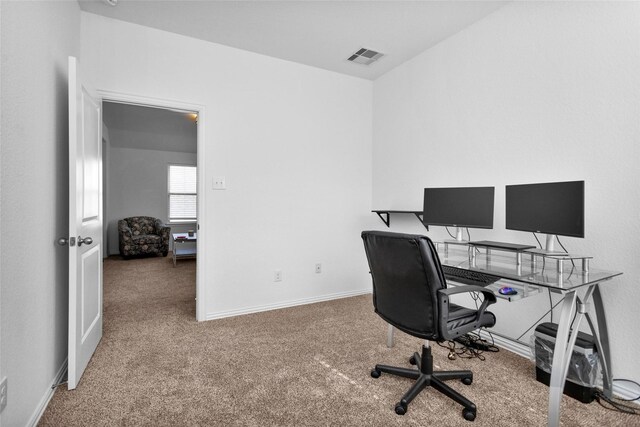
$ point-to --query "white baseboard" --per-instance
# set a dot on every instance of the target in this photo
(622, 389)
(285, 304)
(46, 398)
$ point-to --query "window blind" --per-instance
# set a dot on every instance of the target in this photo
(182, 193)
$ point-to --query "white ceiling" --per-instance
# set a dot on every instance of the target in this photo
(148, 128)
(317, 33)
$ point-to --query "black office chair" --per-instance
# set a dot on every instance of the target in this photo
(410, 293)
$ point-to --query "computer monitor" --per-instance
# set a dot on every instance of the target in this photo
(459, 207)
(553, 208)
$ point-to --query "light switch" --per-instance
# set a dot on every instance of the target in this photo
(219, 183)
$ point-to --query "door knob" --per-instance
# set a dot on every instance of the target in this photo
(63, 241)
(86, 241)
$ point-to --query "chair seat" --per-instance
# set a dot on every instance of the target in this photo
(147, 239)
(460, 316)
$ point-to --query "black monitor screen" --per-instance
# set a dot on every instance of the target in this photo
(459, 207)
(550, 208)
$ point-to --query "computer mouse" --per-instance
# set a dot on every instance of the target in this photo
(506, 290)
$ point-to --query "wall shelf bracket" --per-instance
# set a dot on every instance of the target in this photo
(385, 216)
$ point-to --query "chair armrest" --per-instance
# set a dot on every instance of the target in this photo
(444, 295)
(124, 231)
(489, 295)
(162, 230)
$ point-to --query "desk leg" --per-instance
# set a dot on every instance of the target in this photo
(561, 354)
(174, 254)
(602, 341)
(390, 336)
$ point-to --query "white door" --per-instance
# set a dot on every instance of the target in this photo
(85, 224)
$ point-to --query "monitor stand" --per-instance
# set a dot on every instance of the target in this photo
(458, 239)
(549, 247)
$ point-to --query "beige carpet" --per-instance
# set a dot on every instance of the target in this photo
(301, 366)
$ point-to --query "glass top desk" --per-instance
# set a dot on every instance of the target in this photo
(530, 272)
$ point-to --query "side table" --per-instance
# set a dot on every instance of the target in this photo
(184, 246)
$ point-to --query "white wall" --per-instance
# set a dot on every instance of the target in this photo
(294, 143)
(138, 186)
(535, 92)
(37, 38)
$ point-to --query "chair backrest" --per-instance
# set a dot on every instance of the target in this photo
(141, 225)
(406, 275)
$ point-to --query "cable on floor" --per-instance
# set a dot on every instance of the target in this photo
(615, 403)
(469, 346)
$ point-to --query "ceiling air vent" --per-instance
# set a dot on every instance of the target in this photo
(365, 56)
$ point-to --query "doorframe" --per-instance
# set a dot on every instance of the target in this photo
(145, 101)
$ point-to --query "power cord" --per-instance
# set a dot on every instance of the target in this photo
(537, 321)
(543, 258)
(566, 252)
(614, 403)
(452, 236)
(604, 401)
(538, 240)
(475, 248)
(628, 381)
(469, 346)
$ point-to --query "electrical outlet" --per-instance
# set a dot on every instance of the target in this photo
(318, 268)
(219, 183)
(3, 394)
(277, 276)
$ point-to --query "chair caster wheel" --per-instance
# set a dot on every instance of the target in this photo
(467, 380)
(401, 409)
(413, 360)
(469, 414)
(375, 373)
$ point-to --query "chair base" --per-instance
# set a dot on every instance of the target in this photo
(425, 377)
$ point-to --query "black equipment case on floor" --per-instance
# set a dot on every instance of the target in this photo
(584, 367)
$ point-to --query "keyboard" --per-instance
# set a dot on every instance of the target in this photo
(468, 277)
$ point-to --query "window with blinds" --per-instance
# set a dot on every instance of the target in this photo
(183, 195)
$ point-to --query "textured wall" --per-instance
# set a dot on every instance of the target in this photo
(37, 38)
(535, 92)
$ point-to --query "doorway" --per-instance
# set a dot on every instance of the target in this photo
(146, 139)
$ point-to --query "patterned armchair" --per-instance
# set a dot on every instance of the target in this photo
(143, 235)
